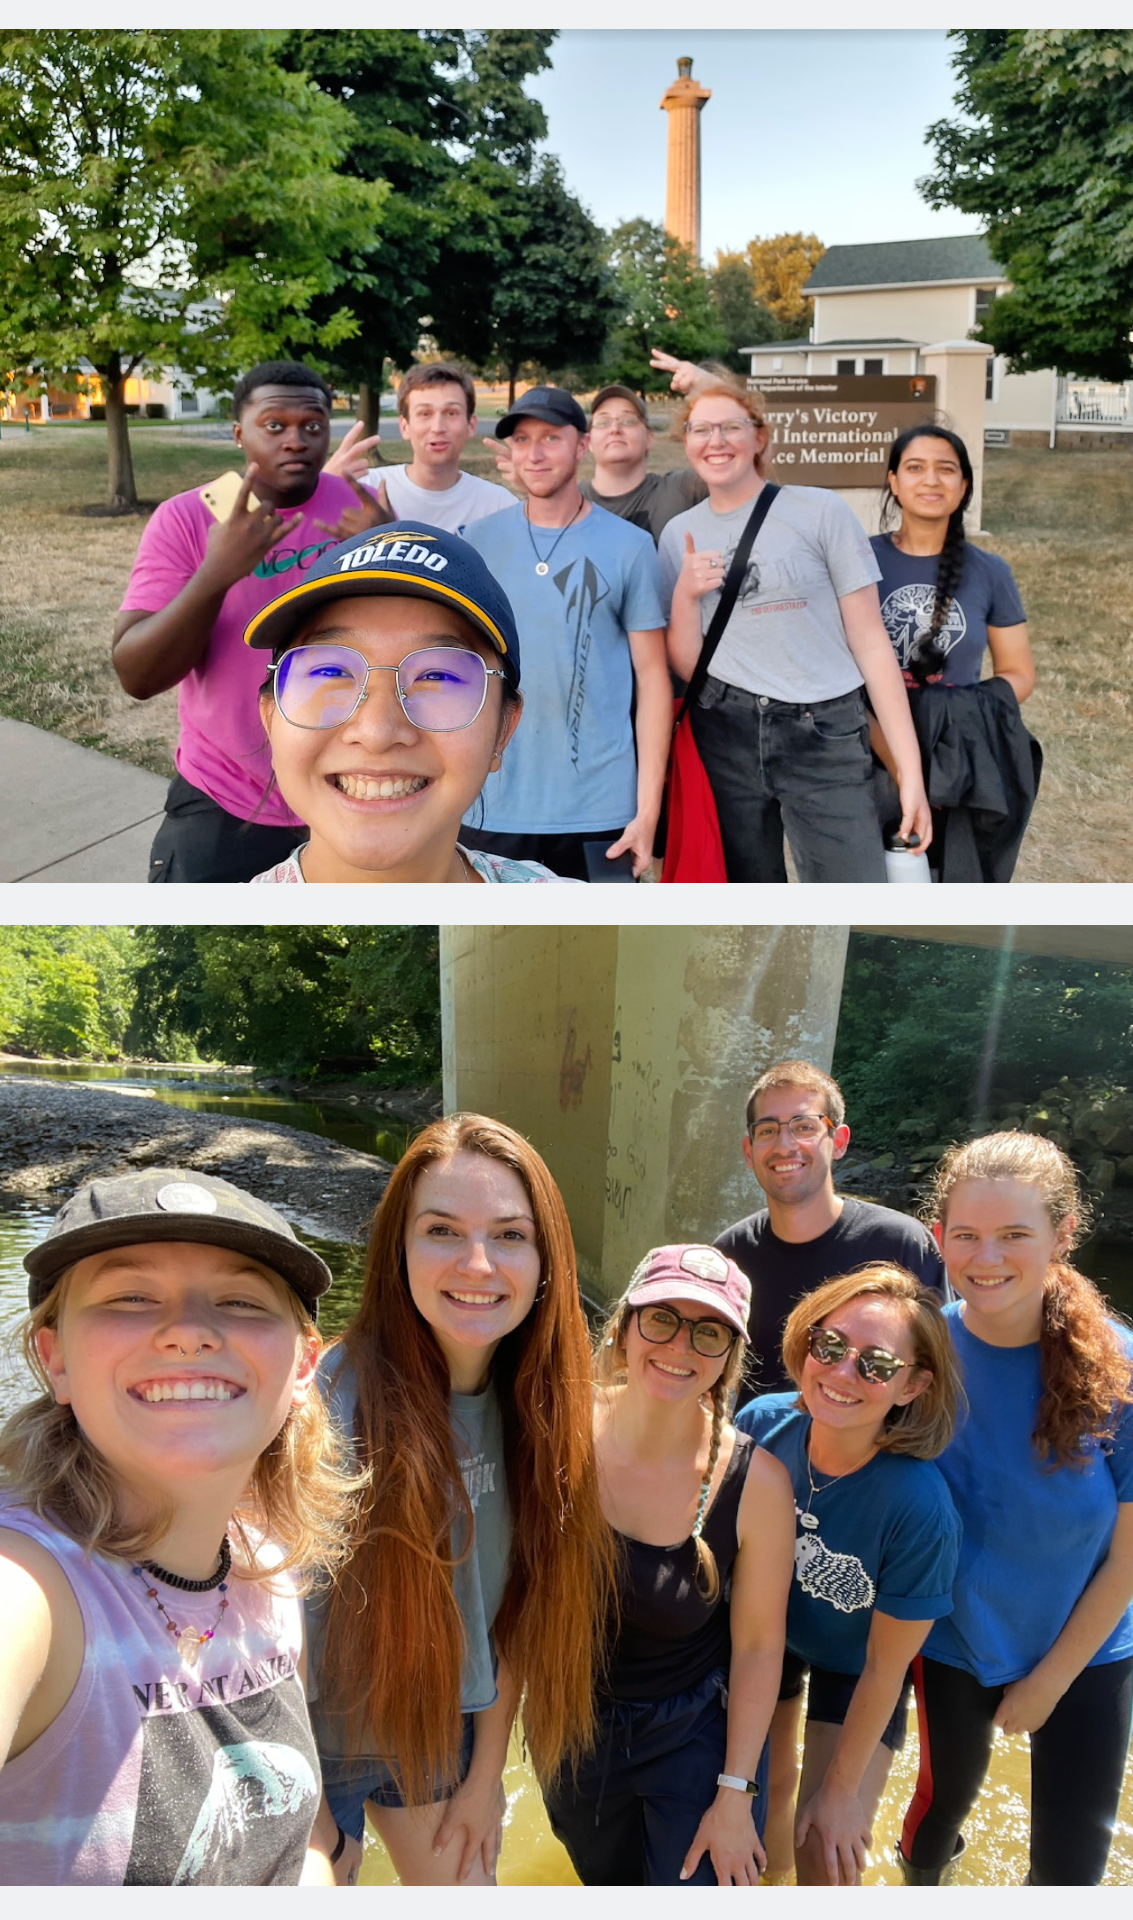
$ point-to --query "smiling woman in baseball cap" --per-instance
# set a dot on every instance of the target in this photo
(392, 694)
(675, 1788)
(159, 1494)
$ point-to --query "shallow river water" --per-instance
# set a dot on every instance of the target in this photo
(997, 1831)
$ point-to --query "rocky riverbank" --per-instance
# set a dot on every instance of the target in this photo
(53, 1137)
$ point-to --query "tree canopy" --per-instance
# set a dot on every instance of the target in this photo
(664, 299)
(744, 319)
(780, 267)
(170, 198)
(1043, 151)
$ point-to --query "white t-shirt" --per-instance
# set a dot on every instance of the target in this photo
(492, 867)
(453, 509)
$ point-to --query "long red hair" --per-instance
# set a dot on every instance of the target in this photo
(394, 1635)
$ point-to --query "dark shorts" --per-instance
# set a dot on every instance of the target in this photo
(348, 1784)
(199, 841)
(829, 1696)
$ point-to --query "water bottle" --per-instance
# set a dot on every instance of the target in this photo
(904, 865)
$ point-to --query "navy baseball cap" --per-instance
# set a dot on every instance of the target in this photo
(553, 404)
(403, 557)
(170, 1203)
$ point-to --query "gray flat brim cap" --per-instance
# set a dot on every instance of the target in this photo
(171, 1203)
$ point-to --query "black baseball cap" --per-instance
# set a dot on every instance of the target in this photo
(553, 404)
(620, 393)
(168, 1203)
(402, 557)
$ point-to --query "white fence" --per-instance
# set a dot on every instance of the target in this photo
(1093, 403)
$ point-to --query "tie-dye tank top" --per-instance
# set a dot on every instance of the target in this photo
(159, 1771)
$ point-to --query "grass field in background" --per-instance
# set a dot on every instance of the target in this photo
(1061, 520)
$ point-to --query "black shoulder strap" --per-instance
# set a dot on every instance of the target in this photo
(728, 593)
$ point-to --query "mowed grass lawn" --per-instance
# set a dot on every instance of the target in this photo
(1061, 520)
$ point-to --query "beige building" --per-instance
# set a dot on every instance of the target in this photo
(880, 309)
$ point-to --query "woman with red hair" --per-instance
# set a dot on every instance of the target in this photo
(482, 1568)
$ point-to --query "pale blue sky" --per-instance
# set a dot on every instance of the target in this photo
(817, 130)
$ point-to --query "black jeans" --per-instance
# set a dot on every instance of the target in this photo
(1077, 1763)
(198, 840)
(564, 853)
(805, 770)
(630, 1814)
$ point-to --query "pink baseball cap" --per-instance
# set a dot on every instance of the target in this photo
(696, 1273)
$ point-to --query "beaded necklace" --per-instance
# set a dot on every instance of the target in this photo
(189, 1640)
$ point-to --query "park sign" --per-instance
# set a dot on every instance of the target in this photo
(836, 429)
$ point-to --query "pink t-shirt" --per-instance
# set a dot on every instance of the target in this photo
(158, 1772)
(223, 748)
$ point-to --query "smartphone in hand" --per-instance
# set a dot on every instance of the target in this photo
(220, 495)
(599, 870)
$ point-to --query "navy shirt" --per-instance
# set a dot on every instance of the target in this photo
(1033, 1537)
(887, 1537)
(986, 597)
(781, 1271)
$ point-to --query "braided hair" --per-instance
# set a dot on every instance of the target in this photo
(929, 651)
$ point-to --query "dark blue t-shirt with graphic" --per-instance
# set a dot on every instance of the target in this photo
(986, 597)
(887, 1537)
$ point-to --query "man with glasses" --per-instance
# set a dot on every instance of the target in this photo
(808, 1233)
(621, 441)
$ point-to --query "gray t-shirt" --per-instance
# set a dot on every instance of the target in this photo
(478, 1582)
(654, 501)
(785, 637)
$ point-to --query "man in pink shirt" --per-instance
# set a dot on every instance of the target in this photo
(196, 583)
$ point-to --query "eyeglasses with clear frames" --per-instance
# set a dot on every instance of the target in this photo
(605, 421)
(701, 433)
(440, 689)
(800, 1126)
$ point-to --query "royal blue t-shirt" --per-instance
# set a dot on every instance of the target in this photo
(887, 1537)
(571, 766)
(986, 597)
(1033, 1537)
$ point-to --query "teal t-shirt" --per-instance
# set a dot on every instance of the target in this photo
(571, 766)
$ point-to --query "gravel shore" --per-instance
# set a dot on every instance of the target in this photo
(54, 1137)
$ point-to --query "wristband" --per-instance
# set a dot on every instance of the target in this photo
(737, 1780)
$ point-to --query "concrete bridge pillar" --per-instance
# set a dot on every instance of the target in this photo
(625, 1055)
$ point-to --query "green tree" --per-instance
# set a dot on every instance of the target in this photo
(168, 199)
(664, 299)
(297, 1000)
(745, 320)
(1043, 152)
(66, 991)
(440, 119)
(955, 1028)
(553, 297)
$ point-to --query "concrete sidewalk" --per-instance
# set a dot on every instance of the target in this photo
(69, 814)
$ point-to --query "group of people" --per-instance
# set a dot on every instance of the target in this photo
(825, 717)
(834, 1450)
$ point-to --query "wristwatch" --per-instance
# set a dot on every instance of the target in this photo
(737, 1780)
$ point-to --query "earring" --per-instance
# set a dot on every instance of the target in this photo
(497, 763)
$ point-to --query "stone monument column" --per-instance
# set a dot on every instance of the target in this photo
(684, 102)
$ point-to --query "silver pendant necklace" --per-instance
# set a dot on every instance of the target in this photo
(808, 1519)
(544, 566)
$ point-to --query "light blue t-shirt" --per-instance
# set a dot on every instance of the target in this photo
(887, 1537)
(571, 766)
(1033, 1537)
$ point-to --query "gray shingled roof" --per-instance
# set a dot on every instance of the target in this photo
(963, 256)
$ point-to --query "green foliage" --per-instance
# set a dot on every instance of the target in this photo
(172, 198)
(664, 299)
(293, 999)
(744, 319)
(440, 119)
(66, 992)
(931, 1035)
(552, 298)
(1044, 153)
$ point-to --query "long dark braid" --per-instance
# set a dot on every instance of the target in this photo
(929, 652)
